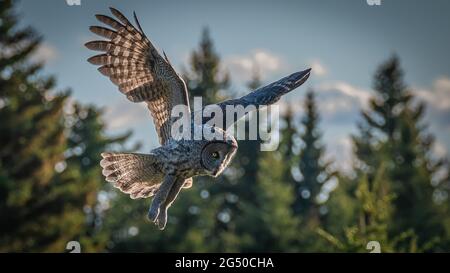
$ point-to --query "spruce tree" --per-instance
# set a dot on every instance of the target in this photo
(205, 78)
(246, 161)
(86, 140)
(392, 134)
(49, 172)
(374, 213)
(287, 149)
(315, 172)
(277, 221)
(270, 223)
(32, 144)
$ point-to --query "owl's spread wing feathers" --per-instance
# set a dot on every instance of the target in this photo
(265, 95)
(132, 63)
(138, 175)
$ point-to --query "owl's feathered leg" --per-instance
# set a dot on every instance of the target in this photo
(161, 197)
(176, 188)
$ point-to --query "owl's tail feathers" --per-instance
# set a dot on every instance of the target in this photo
(131, 173)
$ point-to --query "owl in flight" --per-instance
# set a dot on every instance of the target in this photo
(131, 62)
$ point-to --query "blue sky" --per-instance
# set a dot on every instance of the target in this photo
(343, 41)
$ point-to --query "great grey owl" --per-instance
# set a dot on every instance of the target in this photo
(132, 63)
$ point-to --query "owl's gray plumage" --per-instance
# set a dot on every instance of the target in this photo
(133, 64)
(262, 96)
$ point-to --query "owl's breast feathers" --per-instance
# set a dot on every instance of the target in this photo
(181, 158)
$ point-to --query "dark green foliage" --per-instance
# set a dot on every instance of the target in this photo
(49, 173)
(246, 161)
(393, 135)
(32, 143)
(314, 171)
(86, 141)
(205, 78)
(278, 227)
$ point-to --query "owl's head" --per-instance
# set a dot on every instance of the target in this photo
(216, 155)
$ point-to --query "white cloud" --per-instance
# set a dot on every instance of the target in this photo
(45, 53)
(438, 96)
(318, 68)
(337, 101)
(125, 114)
(359, 95)
(439, 149)
(340, 149)
(262, 61)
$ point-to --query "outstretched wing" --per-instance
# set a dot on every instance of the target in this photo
(263, 96)
(135, 66)
(136, 174)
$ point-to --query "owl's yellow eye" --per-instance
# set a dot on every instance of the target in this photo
(215, 155)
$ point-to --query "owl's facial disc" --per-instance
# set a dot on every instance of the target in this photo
(217, 155)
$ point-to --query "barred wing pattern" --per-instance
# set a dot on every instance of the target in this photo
(265, 95)
(138, 175)
(135, 66)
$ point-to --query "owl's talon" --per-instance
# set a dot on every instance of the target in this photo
(153, 213)
(162, 219)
